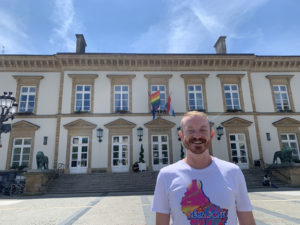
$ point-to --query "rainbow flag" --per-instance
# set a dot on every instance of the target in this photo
(155, 101)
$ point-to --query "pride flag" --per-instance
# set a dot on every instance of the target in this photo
(155, 101)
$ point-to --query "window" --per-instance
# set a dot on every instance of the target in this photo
(27, 93)
(121, 93)
(232, 100)
(195, 91)
(159, 82)
(121, 98)
(281, 92)
(281, 97)
(21, 152)
(82, 92)
(195, 97)
(83, 98)
(160, 151)
(231, 85)
(238, 148)
(27, 99)
(290, 140)
(163, 101)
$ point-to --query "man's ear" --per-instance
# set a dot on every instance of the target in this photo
(180, 134)
(212, 134)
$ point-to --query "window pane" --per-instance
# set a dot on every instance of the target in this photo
(79, 88)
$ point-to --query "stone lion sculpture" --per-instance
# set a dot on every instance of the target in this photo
(285, 156)
(41, 160)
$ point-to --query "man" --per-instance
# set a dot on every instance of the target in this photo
(201, 189)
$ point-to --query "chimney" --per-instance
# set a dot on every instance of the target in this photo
(80, 44)
(220, 45)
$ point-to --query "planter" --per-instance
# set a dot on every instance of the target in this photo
(142, 166)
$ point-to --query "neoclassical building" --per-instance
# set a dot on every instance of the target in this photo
(63, 99)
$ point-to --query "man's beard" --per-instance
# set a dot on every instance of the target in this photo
(197, 145)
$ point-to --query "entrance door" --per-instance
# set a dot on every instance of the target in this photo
(79, 154)
(239, 150)
(120, 154)
(160, 151)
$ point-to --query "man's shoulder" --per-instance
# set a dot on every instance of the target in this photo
(172, 167)
(225, 164)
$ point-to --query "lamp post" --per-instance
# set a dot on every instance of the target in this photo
(8, 108)
(220, 132)
(99, 134)
(140, 133)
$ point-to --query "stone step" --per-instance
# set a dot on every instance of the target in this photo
(132, 182)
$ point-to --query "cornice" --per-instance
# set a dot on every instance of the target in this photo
(149, 62)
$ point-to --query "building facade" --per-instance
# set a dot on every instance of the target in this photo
(64, 98)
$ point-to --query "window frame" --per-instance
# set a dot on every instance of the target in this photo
(281, 80)
(28, 81)
(82, 79)
(163, 101)
(22, 146)
(232, 92)
(289, 142)
(155, 79)
(120, 80)
(195, 79)
(27, 94)
(83, 92)
(121, 92)
(226, 79)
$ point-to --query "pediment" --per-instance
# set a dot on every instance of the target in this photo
(236, 122)
(287, 122)
(120, 123)
(80, 124)
(23, 124)
(159, 123)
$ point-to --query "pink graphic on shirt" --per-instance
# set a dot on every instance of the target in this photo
(198, 208)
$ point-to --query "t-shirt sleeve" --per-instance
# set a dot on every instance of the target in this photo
(160, 200)
(243, 203)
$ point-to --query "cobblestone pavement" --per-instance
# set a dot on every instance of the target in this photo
(280, 207)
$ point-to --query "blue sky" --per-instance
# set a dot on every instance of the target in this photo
(261, 27)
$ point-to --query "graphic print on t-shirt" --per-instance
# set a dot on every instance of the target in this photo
(198, 208)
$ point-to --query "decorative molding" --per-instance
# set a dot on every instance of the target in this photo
(149, 62)
(80, 124)
(236, 122)
(287, 122)
(120, 123)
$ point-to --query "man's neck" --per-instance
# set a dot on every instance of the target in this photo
(198, 161)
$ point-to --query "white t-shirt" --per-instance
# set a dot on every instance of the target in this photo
(201, 196)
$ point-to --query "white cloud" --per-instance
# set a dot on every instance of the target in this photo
(191, 23)
(12, 33)
(65, 26)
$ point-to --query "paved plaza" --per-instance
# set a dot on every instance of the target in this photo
(272, 207)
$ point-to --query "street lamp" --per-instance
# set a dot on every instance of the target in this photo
(8, 108)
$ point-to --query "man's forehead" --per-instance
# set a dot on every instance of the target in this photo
(190, 121)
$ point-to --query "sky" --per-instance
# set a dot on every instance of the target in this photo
(47, 27)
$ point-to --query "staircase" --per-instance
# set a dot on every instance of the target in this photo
(254, 179)
(103, 182)
(133, 182)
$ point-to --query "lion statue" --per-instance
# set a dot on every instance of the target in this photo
(285, 155)
(41, 160)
